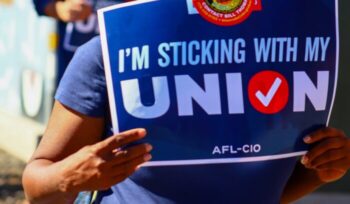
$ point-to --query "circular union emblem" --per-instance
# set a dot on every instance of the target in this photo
(224, 12)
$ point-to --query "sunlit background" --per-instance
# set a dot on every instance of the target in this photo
(27, 84)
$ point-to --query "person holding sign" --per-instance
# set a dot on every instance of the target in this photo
(241, 147)
(71, 159)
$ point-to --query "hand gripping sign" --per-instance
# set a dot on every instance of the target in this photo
(221, 81)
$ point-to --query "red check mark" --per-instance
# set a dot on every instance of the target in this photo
(266, 100)
(268, 92)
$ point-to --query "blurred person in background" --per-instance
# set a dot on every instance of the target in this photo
(77, 24)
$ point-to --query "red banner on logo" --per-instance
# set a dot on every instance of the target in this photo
(226, 12)
(257, 5)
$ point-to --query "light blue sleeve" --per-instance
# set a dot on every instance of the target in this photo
(83, 86)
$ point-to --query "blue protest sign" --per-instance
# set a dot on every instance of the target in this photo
(221, 81)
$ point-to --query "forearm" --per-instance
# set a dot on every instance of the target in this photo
(302, 182)
(42, 181)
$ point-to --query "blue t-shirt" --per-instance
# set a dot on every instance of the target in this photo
(83, 88)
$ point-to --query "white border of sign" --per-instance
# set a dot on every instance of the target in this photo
(113, 108)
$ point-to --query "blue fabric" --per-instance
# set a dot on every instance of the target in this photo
(83, 89)
(40, 6)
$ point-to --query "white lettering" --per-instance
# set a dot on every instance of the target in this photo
(140, 60)
(188, 90)
(132, 98)
(304, 87)
(235, 93)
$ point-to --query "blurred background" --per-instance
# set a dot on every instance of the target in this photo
(29, 74)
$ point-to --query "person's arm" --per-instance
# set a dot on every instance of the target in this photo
(71, 159)
(66, 11)
(327, 161)
(302, 182)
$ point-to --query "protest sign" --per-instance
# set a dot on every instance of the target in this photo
(221, 81)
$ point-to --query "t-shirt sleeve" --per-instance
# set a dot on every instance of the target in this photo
(40, 6)
(83, 86)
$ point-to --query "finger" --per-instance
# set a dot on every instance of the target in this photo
(332, 143)
(130, 154)
(73, 16)
(322, 134)
(86, 12)
(75, 8)
(120, 140)
(329, 156)
(78, 10)
(127, 168)
(78, 2)
(340, 164)
(79, 7)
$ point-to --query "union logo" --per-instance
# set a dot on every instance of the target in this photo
(226, 12)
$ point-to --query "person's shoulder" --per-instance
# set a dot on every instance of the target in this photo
(90, 52)
(83, 86)
(93, 46)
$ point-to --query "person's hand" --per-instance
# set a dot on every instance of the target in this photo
(73, 10)
(330, 157)
(99, 166)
